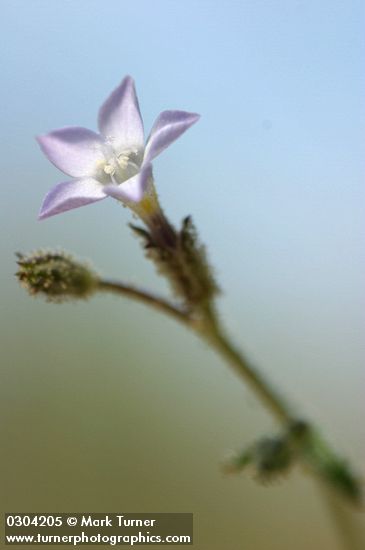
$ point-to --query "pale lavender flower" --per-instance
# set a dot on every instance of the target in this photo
(115, 162)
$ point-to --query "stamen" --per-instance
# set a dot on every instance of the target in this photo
(109, 169)
(121, 166)
(123, 160)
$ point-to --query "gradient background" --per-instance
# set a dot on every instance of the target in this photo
(107, 406)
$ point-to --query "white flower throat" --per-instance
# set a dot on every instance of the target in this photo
(122, 166)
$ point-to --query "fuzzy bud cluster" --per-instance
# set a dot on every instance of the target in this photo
(179, 256)
(272, 456)
(55, 275)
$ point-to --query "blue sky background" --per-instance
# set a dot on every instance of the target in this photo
(272, 174)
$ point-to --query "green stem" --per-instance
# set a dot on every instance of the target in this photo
(349, 522)
(213, 333)
(147, 298)
(207, 326)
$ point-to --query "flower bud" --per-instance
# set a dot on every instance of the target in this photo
(56, 275)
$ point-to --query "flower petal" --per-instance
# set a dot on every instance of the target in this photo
(74, 150)
(71, 194)
(168, 127)
(120, 119)
(131, 190)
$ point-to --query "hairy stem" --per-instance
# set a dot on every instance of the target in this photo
(213, 333)
(129, 291)
(209, 329)
(207, 326)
